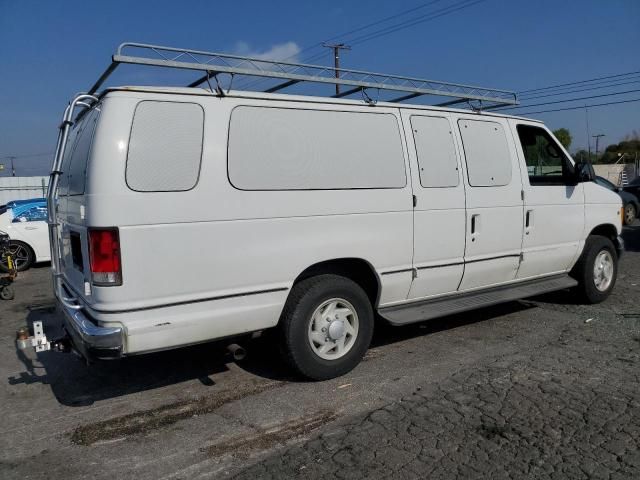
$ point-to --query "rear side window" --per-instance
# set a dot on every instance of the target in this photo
(435, 150)
(165, 147)
(74, 165)
(486, 152)
(288, 149)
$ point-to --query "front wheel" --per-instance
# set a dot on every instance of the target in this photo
(596, 270)
(326, 326)
(629, 213)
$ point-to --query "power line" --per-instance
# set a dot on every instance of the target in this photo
(582, 106)
(421, 19)
(364, 27)
(28, 156)
(553, 87)
(574, 99)
(568, 92)
(407, 24)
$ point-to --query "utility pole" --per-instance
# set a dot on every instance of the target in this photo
(13, 168)
(597, 137)
(586, 114)
(336, 59)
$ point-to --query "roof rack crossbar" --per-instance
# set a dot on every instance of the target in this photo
(346, 93)
(280, 86)
(404, 97)
(293, 73)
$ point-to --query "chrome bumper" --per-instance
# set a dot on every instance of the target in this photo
(91, 341)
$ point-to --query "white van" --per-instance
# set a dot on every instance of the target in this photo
(183, 215)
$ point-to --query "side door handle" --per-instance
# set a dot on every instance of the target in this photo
(475, 226)
(528, 222)
(31, 228)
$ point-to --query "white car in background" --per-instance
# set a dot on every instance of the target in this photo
(26, 225)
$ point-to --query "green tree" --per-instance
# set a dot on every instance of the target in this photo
(564, 137)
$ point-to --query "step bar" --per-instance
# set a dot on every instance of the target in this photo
(462, 302)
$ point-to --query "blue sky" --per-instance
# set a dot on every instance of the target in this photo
(49, 50)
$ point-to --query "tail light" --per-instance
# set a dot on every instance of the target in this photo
(104, 256)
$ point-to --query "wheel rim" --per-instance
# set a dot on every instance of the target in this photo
(19, 254)
(629, 214)
(333, 329)
(603, 270)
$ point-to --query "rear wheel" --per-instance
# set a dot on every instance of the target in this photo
(326, 326)
(596, 270)
(629, 213)
(21, 254)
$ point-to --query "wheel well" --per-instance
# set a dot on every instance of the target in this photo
(356, 269)
(606, 230)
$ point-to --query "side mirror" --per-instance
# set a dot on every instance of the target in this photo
(584, 172)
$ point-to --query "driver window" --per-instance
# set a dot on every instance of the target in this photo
(546, 163)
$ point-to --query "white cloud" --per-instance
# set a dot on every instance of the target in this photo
(279, 51)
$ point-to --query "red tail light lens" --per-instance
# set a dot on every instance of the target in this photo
(104, 256)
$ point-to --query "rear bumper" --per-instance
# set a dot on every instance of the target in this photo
(91, 341)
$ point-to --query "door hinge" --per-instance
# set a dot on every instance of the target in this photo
(521, 259)
(415, 201)
(414, 273)
(522, 195)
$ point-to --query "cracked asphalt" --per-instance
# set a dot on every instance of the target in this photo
(541, 388)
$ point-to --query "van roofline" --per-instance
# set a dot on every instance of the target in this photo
(198, 91)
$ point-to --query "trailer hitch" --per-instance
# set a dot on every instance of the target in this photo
(39, 340)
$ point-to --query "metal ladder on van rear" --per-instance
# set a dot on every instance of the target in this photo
(85, 101)
(288, 74)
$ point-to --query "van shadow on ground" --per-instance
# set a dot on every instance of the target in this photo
(76, 384)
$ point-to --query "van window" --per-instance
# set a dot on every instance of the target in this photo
(486, 152)
(289, 149)
(546, 162)
(437, 162)
(165, 147)
(74, 163)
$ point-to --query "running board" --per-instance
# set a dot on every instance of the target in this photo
(439, 307)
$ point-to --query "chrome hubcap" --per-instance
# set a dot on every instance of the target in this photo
(603, 270)
(333, 329)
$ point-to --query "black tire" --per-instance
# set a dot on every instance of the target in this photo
(7, 293)
(27, 257)
(308, 295)
(583, 271)
(630, 213)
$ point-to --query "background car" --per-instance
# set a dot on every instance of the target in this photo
(633, 187)
(26, 224)
(630, 202)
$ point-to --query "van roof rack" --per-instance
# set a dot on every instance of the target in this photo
(289, 74)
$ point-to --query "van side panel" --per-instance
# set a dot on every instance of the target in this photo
(216, 248)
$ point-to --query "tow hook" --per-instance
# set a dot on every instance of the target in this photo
(39, 340)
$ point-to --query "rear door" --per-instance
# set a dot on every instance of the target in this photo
(439, 213)
(71, 201)
(494, 214)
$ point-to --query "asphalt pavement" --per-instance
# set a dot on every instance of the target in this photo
(540, 388)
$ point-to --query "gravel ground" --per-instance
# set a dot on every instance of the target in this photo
(542, 388)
